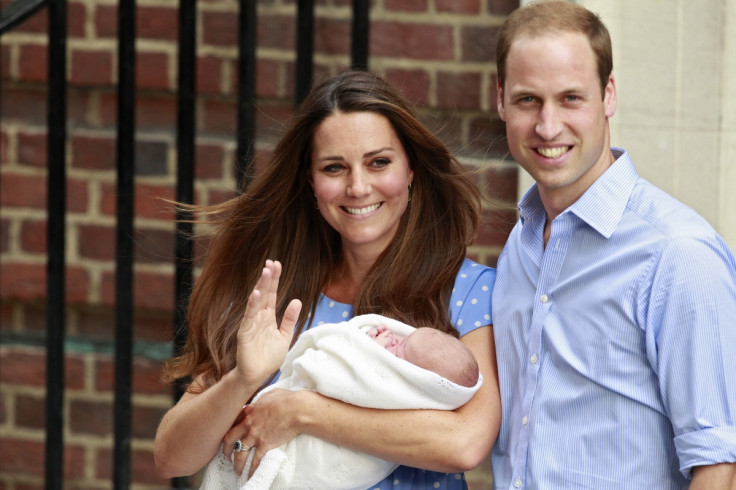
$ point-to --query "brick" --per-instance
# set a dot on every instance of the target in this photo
(209, 74)
(26, 366)
(488, 137)
(4, 235)
(28, 282)
(496, 226)
(150, 291)
(4, 62)
(155, 112)
(479, 44)
(220, 28)
(276, 31)
(95, 322)
(33, 149)
(145, 421)
(406, 5)
(93, 152)
(268, 79)
(30, 411)
(209, 161)
(502, 182)
(219, 116)
(152, 71)
(458, 6)
(97, 242)
(143, 470)
(91, 67)
(30, 192)
(76, 19)
(154, 326)
(24, 104)
(33, 63)
(418, 41)
(458, 90)
(146, 376)
(24, 457)
(89, 417)
(151, 158)
(413, 85)
(150, 202)
(154, 246)
(106, 21)
(159, 23)
(77, 195)
(332, 36)
(33, 236)
(502, 7)
(3, 147)
(38, 23)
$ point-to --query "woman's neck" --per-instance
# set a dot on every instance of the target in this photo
(347, 278)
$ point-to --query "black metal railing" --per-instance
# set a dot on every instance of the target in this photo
(17, 11)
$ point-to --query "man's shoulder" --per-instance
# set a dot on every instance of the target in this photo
(665, 214)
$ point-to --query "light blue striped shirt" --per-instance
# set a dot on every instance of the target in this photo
(616, 343)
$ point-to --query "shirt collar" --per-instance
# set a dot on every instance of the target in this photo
(602, 205)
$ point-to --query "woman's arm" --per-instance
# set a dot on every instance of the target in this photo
(191, 432)
(436, 440)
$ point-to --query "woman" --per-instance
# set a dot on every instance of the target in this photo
(368, 213)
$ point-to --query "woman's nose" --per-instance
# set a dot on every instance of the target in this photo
(359, 184)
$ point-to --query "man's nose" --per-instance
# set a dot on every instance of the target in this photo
(549, 124)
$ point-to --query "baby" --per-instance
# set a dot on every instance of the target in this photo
(433, 350)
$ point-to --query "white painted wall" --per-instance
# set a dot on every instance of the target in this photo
(675, 70)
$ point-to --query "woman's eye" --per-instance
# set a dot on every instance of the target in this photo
(381, 162)
(332, 168)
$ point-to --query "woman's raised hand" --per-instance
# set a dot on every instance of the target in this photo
(262, 343)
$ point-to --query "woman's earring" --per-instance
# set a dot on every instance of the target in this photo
(409, 193)
(316, 204)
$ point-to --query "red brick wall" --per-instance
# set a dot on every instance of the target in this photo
(439, 53)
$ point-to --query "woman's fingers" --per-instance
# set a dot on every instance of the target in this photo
(291, 316)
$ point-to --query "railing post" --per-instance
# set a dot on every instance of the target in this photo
(124, 252)
(56, 307)
(246, 91)
(185, 151)
(304, 48)
(360, 40)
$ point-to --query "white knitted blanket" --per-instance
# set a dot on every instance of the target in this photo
(340, 361)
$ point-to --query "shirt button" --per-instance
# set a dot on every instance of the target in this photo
(525, 420)
(544, 298)
(533, 359)
(517, 483)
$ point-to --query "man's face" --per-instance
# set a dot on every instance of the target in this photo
(556, 117)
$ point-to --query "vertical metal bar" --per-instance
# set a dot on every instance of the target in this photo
(246, 90)
(124, 251)
(185, 151)
(56, 311)
(304, 48)
(361, 23)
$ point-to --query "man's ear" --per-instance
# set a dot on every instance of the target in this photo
(609, 97)
(499, 102)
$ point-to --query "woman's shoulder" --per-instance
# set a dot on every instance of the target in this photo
(471, 273)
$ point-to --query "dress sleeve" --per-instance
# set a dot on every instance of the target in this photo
(470, 303)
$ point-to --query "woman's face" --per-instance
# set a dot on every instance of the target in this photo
(361, 177)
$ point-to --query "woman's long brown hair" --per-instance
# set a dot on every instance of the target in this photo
(275, 218)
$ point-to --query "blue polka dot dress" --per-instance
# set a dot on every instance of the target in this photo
(470, 308)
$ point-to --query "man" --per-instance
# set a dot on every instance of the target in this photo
(615, 305)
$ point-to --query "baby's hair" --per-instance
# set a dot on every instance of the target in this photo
(447, 356)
